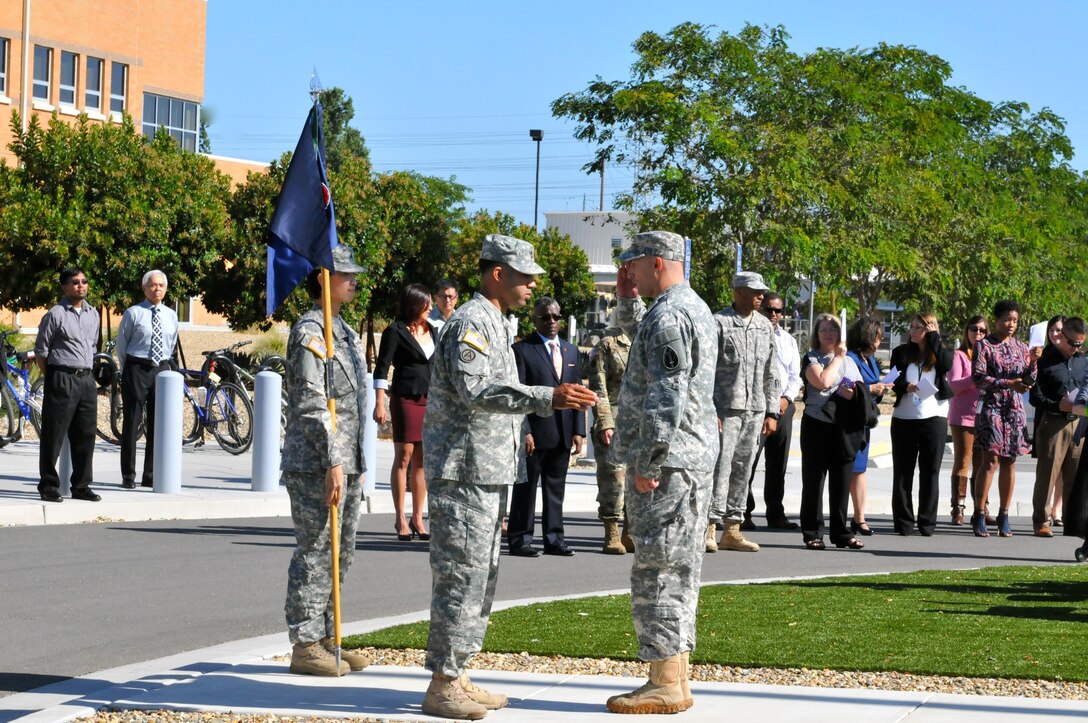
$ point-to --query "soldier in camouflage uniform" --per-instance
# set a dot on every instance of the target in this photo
(471, 449)
(321, 468)
(667, 434)
(607, 362)
(746, 398)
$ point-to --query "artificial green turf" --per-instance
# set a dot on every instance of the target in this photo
(1014, 622)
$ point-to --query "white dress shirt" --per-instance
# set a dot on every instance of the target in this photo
(789, 362)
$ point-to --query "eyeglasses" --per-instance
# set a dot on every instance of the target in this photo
(547, 317)
(1074, 344)
(773, 310)
(977, 329)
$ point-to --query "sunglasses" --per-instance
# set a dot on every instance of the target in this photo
(547, 317)
(77, 282)
(977, 329)
(1074, 344)
(772, 310)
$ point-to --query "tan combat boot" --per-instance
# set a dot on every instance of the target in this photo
(313, 659)
(354, 659)
(625, 538)
(491, 701)
(685, 676)
(612, 543)
(732, 539)
(445, 698)
(711, 532)
(663, 694)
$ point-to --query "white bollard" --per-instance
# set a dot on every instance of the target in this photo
(266, 432)
(64, 468)
(370, 440)
(169, 397)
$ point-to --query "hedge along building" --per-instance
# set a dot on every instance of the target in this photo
(103, 58)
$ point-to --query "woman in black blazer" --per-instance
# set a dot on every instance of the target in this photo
(407, 345)
(919, 423)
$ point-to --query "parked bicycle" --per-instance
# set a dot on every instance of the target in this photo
(106, 375)
(229, 367)
(20, 399)
(220, 407)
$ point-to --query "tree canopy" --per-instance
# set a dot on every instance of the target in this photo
(865, 164)
(102, 197)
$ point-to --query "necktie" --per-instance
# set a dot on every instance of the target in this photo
(156, 336)
(557, 359)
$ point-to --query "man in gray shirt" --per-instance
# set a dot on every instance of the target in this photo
(67, 337)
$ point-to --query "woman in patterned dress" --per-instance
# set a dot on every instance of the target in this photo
(1003, 369)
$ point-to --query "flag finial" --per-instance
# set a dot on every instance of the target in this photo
(315, 85)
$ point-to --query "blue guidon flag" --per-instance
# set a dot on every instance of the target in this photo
(302, 234)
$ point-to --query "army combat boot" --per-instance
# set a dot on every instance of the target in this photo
(491, 701)
(625, 538)
(711, 532)
(314, 659)
(732, 539)
(685, 676)
(612, 543)
(445, 698)
(355, 660)
(665, 693)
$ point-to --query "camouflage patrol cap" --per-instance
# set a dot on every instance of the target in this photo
(750, 280)
(665, 244)
(515, 253)
(343, 260)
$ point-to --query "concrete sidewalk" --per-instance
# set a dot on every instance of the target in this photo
(241, 678)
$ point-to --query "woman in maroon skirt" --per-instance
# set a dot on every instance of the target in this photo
(407, 345)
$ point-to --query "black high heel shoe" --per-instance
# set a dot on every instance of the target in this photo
(415, 531)
(403, 538)
(860, 528)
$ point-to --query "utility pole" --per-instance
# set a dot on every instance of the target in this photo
(536, 135)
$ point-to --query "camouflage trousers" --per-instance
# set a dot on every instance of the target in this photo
(609, 481)
(668, 525)
(309, 576)
(465, 541)
(740, 445)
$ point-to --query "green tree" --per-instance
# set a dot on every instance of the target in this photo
(104, 197)
(341, 139)
(864, 163)
(566, 278)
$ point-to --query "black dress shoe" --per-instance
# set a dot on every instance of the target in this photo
(524, 552)
(781, 523)
(51, 497)
(747, 525)
(86, 495)
(147, 483)
(563, 551)
(129, 484)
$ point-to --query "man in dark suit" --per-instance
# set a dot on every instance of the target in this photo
(544, 359)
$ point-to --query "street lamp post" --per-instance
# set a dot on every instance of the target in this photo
(536, 135)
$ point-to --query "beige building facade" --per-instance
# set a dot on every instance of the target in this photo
(105, 58)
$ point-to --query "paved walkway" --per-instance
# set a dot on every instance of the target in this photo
(240, 676)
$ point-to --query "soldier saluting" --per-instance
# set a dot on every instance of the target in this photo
(471, 444)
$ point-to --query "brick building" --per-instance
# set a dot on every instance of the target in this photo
(103, 58)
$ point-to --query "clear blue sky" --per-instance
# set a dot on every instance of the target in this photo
(452, 88)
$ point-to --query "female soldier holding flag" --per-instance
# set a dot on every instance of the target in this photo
(323, 465)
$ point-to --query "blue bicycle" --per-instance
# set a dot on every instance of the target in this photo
(20, 399)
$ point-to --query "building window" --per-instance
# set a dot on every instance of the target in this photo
(178, 117)
(43, 72)
(94, 84)
(118, 87)
(4, 66)
(69, 72)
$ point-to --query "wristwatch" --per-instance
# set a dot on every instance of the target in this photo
(773, 415)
